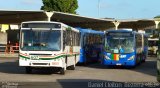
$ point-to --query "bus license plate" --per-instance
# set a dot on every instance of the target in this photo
(118, 64)
(34, 57)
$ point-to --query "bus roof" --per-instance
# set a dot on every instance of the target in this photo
(124, 30)
(119, 30)
(74, 29)
(90, 31)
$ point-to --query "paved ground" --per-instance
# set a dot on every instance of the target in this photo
(146, 72)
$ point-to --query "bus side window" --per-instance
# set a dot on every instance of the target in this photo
(145, 41)
(138, 41)
(64, 39)
(67, 38)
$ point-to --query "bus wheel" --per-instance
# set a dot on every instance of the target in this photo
(62, 71)
(131, 67)
(72, 67)
(141, 58)
(28, 70)
(137, 60)
(85, 62)
(144, 59)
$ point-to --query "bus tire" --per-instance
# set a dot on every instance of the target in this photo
(72, 67)
(138, 60)
(62, 71)
(28, 70)
(144, 59)
(85, 61)
(141, 58)
(132, 67)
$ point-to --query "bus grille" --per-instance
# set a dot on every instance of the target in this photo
(40, 63)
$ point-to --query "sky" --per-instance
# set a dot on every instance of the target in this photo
(118, 9)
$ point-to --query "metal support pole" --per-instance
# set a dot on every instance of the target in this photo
(49, 15)
(157, 23)
(116, 23)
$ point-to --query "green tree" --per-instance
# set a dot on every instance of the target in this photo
(157, 16)
(67, 6)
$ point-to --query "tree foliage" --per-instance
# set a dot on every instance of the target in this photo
(67, 6)
(157, 16)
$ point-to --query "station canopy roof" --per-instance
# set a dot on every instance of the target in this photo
(17, 16)
(136, 23)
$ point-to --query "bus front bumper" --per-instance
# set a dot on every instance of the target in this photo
(40, 63)
(119, 63)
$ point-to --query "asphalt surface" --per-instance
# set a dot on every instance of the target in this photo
(11, 74)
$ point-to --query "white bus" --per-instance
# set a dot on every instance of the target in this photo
(153, 46)
(48, 44)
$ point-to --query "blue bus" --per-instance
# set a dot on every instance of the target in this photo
(90, 45)
(124, 48)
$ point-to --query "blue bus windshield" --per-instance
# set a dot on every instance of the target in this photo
(119, 44)
(41, 40)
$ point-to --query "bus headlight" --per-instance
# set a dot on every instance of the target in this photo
(107, 57)
(131, 58)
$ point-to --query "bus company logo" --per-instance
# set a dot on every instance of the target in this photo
(122, 56)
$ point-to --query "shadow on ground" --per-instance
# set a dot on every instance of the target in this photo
(149, 67)
(11, 67)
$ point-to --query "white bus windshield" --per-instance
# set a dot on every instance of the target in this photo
(119, 44)
(41, 40)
